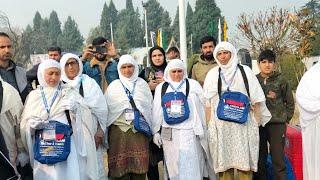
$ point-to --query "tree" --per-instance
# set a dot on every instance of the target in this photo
(158, 18)
(105, 21)
(189, 25)
(276, 29)
(205, 20)
(175, 26)
(108, 15)
(70, 39)
(314, 7)
(39, 39)
(37, 20)
(25, 46)
(54, 29)
(129, 31)
(93, 33)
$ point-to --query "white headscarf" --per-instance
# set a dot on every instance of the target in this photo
(230, 67)
(128, 82)
(42, 67)
(174, 64)
(117, 99)
(64, 77)
(308, 95)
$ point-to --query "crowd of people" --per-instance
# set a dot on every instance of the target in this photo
(99, 116)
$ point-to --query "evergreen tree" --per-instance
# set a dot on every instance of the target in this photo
(205, 20)
(38, 36)
(54, 29)
(105, 21)
(70, 39)
(44, 33)
(129, 31)
(189, 24)
(314, 7)
(93, 33)
(25, 46)
(175, 26)
(37, 21)
(156, 14)
(113, 14)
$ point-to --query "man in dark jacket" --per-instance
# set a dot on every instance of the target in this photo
(9, 71)
(280, 102)
(54, 52)
(103, 65)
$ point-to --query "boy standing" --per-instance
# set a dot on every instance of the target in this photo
(280, 102)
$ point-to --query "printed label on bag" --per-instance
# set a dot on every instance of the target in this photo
(129, 114)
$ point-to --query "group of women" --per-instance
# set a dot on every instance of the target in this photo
(68, 125)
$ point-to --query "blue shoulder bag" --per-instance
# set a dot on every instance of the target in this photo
(233, 106)
(53, 142)
(175, 114)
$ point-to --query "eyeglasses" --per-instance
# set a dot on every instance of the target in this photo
(72, 63)
(177, 71)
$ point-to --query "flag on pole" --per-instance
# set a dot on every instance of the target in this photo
(219, 32)
(152, 37)
(161, 40)
(225, 30)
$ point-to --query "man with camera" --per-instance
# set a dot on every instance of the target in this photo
(103, 65)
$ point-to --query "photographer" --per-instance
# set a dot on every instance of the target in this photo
(103, 64)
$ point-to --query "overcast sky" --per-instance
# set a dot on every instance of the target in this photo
(87, 12)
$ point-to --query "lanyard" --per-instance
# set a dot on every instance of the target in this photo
(45, 102)
(180, 85)
(224, 80)
(129, 94)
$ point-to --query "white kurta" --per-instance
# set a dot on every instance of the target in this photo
(82, 161)
(234, 145)
(308, 99)
(186, 154)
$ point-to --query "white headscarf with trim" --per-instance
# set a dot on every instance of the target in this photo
(76, 81)
(228, 69)
(42, 67)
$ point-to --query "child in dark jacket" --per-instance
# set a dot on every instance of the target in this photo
(280, 102)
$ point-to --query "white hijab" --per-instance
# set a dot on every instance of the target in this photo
(228, 69)
(308, 95)
(117, 99)
(76, 81)
(42, 67)
(93, 96)
(174, 64)
(128, 82)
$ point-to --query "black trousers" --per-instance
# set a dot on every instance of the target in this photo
(274, 134)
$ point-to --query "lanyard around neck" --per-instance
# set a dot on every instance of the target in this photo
(179, 87)
(129, 94)
(224, 80)
(45, 102)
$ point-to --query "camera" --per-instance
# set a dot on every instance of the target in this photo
(100, 49)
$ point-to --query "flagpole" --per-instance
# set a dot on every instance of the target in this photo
(183, 33)
(111, 32)
(219, 32)
(146, 30)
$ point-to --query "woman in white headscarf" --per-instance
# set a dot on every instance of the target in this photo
(308, 99)
(184, 144)
(233, 145)
(88, 88)
(128, 149)
(48, 107)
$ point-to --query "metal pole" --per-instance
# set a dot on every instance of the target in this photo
(111, 32)
(183, 33)
(146, 30)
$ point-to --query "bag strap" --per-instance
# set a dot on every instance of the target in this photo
(245, 79)
(244, 76)
(69, 118)
(81, 89)
(166, 84)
